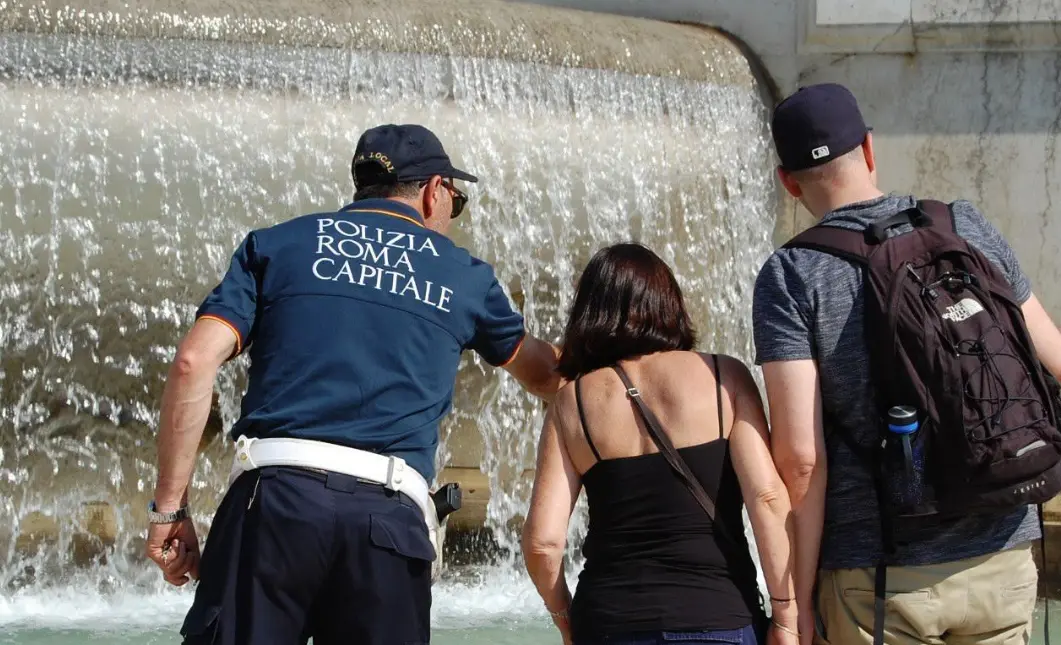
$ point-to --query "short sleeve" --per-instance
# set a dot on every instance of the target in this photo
(974, 227)
(779, 314)
(499, 329)
(234, 302)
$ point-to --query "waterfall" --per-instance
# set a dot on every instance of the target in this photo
(136, 150)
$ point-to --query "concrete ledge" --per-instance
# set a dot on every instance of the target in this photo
(485, 29)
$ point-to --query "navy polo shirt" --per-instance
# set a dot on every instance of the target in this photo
(355, 322)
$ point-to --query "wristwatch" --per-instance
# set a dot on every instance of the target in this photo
(155, 517)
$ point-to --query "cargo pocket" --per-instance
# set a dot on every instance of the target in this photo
(200, 625)
(406, 536)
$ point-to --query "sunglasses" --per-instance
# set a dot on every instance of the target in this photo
(460, 198)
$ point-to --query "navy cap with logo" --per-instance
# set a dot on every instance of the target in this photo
(401, 153)
(816, 125)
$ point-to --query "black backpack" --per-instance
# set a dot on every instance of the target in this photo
(948, 343)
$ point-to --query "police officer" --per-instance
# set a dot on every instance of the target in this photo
(355, 322)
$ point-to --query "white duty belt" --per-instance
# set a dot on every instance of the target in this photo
(390, 471)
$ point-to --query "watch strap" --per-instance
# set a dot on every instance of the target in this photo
(156, 517)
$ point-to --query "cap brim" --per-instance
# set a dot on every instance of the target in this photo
(463, 176)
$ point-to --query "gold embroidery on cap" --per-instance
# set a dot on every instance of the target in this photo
(376, 156)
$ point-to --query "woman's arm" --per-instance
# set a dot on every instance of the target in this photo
(556, 488)
(764, 494)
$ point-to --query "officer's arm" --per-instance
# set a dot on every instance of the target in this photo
(1045, 335)
(534, 366)
(186, 406)
(798, 447)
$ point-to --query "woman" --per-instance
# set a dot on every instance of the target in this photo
(657, 568)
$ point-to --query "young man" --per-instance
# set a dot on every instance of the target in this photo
(967, 580)
(355, 322)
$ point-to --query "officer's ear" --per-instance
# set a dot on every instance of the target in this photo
(430, 197)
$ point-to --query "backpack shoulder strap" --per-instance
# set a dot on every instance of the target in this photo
(857, 246)
(940, 214)
(841, 242)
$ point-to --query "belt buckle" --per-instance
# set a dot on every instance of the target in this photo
(395, 473)
(243, 452)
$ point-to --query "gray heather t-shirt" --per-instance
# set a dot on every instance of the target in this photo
(809, 304)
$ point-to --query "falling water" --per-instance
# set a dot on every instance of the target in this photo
(132, 164)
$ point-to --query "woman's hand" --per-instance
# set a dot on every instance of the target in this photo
(563, 623)
(780, 636)
(783, 631)
(786, 624)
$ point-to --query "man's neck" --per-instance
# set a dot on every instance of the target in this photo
(411, 203)
(826, 203)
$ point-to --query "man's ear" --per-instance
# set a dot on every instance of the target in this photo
(867, 151)
(790, 184)
(429, 197)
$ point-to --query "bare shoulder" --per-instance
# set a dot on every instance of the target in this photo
(735, 377)
(731, 366)
(565, 399)
(564, 409)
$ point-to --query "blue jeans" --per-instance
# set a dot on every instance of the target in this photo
(745, 636)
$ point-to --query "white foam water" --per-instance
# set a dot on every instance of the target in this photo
(476, 601)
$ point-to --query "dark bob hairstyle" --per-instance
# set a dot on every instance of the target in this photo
(628, 304)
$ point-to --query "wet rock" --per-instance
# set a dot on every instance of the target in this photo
(35, 531)
(25, 578)
(100, 520)
(96, 535)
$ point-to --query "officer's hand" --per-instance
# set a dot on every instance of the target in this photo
(175, 549)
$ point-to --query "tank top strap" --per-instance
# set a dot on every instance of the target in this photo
(582, 418)
(718, 396)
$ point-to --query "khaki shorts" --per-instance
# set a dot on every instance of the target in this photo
(987, 600)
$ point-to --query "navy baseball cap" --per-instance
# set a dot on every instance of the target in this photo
(390, 154)
(816, 125)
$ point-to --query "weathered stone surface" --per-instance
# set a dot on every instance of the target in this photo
(35, 530)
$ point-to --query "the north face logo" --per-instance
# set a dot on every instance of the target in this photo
(965, 309)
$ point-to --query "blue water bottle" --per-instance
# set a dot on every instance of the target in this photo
(903, 425)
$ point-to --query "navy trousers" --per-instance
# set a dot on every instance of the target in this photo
(294, 554)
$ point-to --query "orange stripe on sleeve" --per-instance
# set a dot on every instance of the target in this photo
(232, 328)
(515, 352)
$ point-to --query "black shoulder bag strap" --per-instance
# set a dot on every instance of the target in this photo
(670, 453)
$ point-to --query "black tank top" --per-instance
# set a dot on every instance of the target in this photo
(651, 559)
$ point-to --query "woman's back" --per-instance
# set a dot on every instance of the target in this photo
(656, 568)
(652, 558)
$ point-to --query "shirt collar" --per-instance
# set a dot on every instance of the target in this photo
(385, 207)
(858, 206)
